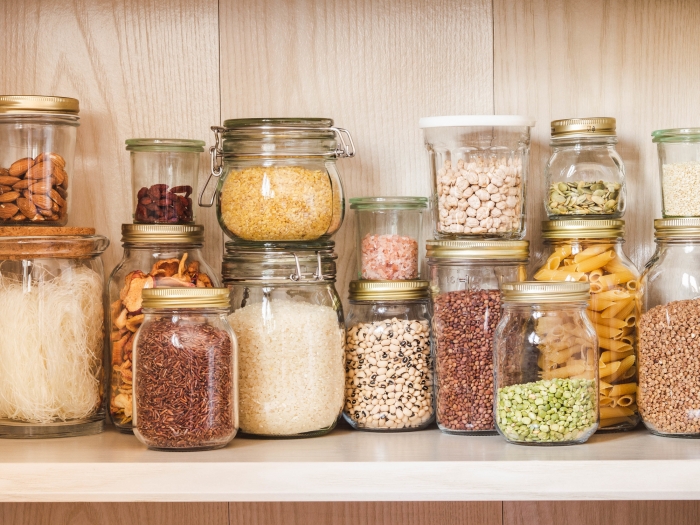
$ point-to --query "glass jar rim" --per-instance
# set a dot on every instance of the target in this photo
(592, 140)
(388, 203)
(676, 135)
(477, 121)
(157, 145)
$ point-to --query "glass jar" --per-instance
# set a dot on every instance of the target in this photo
(669, 371)
(465, 279)
(163, 175)
(591, 250)
(185, 370)
(585, 175)
(278, 179)
(37, 146)
(679, 170)
(546, 365)
(389, 232)
(388, 362)
(155, 255)
(478, 166)
(289, 322)
(52, 379)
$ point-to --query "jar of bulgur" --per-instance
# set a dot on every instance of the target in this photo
(277, 178)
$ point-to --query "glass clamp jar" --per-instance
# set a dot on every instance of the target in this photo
(465, 281)
(277, 178)
(288, 319)
(679, 170)
(591, 250)
(546, 366)
(388, 361)
(669, 346)
(185, 370)
(479, 167)
(164, 173)
(155, 256)
(37, 147)
(389, 232)
(52, 378)
(585, 176)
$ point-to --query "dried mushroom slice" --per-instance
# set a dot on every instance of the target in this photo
(133, 299)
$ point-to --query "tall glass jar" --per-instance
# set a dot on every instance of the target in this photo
(164, 173)
(277, 178)
(479, 166)
(669, 370)
(679, 170)
(585, 176)
(37, 146)
(546, 365)
(465, 279)
(388, 362)
(155, 255)
(289, 322)
(591, 250)
(185, 370)
(52, 378)
(389, 232)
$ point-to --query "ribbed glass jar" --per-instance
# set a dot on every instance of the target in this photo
(679, 170)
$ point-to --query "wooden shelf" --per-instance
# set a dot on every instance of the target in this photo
(351, 466)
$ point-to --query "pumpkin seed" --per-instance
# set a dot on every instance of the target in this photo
(584, 198)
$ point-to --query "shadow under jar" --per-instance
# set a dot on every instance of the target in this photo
(388, 361)
(679, 170)
(37, 146)
(278, 179)
(465, 279)
(288, 319)
(546, 366)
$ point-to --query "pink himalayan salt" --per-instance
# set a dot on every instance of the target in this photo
(389, 257)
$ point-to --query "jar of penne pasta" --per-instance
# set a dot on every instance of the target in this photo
(546, 364)
(669, 331)
(591, 250)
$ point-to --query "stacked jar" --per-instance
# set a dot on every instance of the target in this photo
(279, 198)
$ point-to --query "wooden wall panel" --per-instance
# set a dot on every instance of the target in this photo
(139, 68)
(375, 67)
(635, 60)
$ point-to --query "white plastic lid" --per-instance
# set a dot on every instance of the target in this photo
(476, 120)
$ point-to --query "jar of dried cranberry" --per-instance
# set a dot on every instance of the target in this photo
(466, 278)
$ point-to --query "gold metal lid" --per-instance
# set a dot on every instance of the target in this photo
(162, 234)
(38, 104)
(583, 229)
(186, 298)
(534, 292)
(584, 127)
(677, 228)
(500, 250)
(388, 290)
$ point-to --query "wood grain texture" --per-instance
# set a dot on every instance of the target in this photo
(601, 512)
(634, 60)
(374, 67)
(139, 69)
(113, 513)
(385, 513)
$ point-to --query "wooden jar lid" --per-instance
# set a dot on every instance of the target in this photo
(35, 242)
(38, 231)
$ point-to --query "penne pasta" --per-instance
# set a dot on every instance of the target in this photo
(609, 369)
(613, 310)
(607, 282)
(573, 368)
(626, 400)
(546, 274)
(607, 331)
(622, 314)
(553, 262)
(624, 389)
(611, 421)
(591, 252)
(563, 250)
(625, 365)
(608, 412)
(598, 305)
(632, 285)
(597, 318)
(604, 385)
(613, 345)
(632, 372)
(588, 265)
(614, 295)
(608, 357)
(606, 401)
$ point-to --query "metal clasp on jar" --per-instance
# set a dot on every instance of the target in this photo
(298, 276)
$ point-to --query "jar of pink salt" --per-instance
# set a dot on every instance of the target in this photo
(389, 232)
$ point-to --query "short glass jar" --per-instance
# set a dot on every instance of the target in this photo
(389, 232)
(277, 178)
(591, 250)
(479, 166)
(546, 365)
(669, 372)
(52, 377)
(37, 147)
(185, 370)
(388, 361)
(155, 255)
(679, 170)
(288, 319)
(465, 282)
(164, 173)
(585, 176)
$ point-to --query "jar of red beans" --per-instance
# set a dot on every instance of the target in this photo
(465, 278)
(389, 232)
